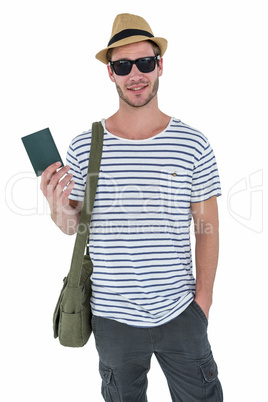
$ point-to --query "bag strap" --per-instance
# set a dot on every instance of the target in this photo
(89, 198)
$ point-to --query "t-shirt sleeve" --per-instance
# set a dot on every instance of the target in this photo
(206, 180)
(78, 191)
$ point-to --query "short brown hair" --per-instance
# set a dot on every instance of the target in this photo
(155, 47)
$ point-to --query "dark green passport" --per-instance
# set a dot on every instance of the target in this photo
(41, 150)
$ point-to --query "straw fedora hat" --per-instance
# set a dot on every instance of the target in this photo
(129, 28)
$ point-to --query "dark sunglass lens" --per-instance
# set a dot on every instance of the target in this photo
(122, 67)
(146, 65)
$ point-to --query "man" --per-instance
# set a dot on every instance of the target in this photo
(156, 174)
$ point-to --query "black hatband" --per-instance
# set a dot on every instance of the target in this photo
(126, 33)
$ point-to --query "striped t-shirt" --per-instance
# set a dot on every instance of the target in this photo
(140, 229)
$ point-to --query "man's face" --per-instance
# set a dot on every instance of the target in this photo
(136, 89)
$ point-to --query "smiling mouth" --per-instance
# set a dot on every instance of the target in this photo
(137, 88)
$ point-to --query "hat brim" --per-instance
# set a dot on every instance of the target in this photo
(161, 42)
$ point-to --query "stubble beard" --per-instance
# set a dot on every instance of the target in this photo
(137, 103)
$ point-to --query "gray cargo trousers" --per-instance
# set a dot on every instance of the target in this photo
(181, 347)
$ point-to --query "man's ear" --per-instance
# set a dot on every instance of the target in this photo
(160, 67)
(110, 73)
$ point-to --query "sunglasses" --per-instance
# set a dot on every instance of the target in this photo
(145, 65)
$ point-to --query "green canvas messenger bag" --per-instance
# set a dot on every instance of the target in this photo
(72, 315)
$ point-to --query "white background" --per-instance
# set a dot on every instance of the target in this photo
(215, 79)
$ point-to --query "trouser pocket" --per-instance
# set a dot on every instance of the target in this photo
(199, 312)
(212, 386)
(108, 389)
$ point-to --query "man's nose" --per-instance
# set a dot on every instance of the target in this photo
(134, 71)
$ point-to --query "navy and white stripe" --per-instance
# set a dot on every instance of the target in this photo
(140, 230)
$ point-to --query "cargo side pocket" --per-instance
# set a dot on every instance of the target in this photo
(108, 389)
(209, 370)
(212, 386)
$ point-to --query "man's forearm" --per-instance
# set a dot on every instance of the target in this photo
(207, 250)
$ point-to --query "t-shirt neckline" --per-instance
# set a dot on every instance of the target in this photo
(136, 141)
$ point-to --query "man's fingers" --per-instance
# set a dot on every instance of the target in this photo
(67, 191)
(47, 175)
(62, 184)
(58, 176)
(52, 180)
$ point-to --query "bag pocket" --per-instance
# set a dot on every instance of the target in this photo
(56, 315)
(70, 329)
(75, 316)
